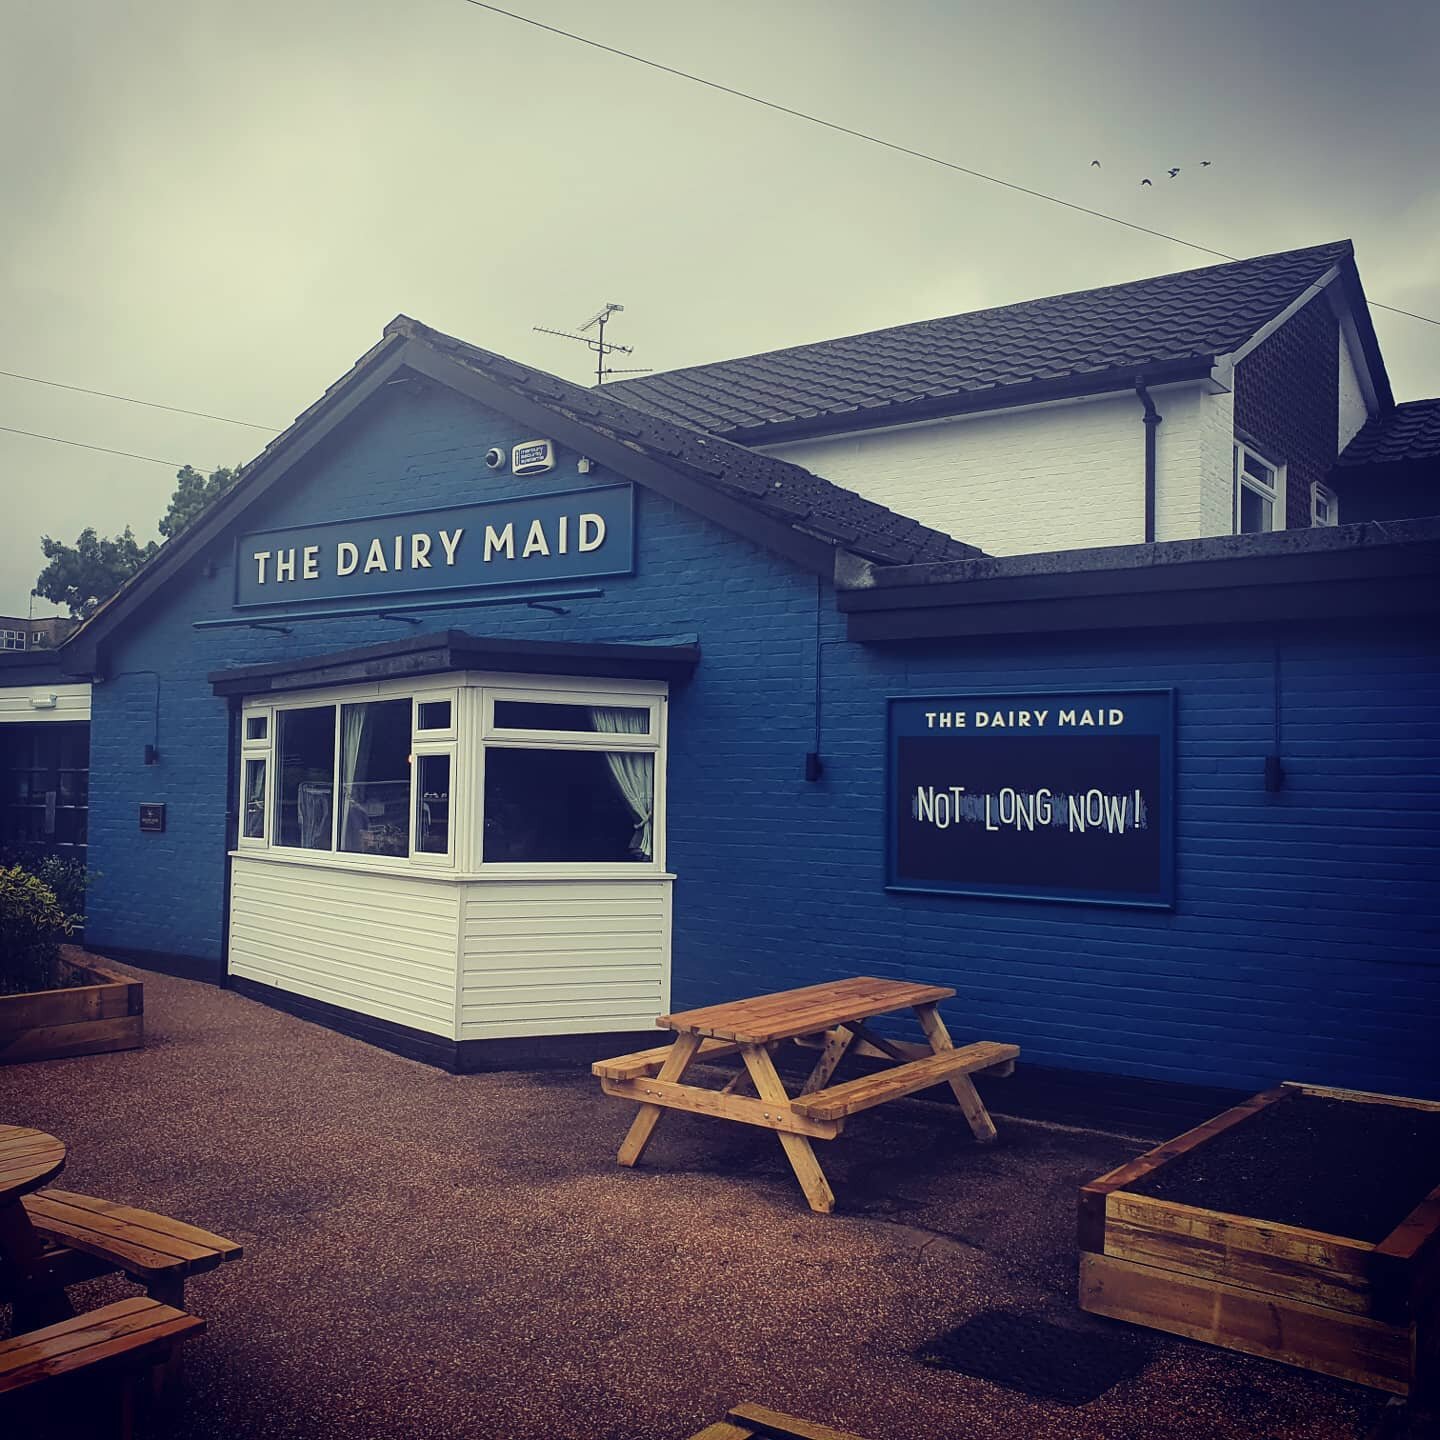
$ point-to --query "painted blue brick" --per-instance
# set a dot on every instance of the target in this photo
(1303, 943)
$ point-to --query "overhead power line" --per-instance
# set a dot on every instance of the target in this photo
(104, 449)
(131, 400)
(884, 144)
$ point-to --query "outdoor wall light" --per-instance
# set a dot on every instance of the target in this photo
(152, 755)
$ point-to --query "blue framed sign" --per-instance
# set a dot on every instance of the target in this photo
(569, 535)
(1065, 795)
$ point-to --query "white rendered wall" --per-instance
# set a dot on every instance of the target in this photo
(1057, 477)
(1353, 410)
(563, 957)
(17, 703)
(382, 945)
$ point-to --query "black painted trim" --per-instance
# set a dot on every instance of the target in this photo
(448, 650)
(163, 962)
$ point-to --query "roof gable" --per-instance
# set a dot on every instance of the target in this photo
(1168, 327)
(775, 504)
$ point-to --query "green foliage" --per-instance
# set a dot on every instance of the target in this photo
(32, 928)
(90, 571)
(68, 880)
(192, 495)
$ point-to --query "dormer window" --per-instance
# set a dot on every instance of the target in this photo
(1259, 492)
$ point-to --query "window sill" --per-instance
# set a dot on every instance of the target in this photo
(494, 874)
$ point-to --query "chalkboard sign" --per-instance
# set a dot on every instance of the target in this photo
(1065, 795)
(152, 818)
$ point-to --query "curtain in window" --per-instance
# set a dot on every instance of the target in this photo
(254, 799)
(353, 819)
(313, 802)
(633, 773)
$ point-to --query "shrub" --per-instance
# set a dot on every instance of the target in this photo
(32, 927)
(69, 879)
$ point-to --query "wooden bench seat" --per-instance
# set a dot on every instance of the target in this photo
(644, 1064)
(838, 1101)
(758, 1422)
(156, 1250)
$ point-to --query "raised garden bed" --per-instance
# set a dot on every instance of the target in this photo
(1302, 1225)
(103, 1011)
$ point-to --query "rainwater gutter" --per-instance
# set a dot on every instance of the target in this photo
(1151, 422)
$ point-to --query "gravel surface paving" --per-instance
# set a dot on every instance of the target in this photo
(430, 1255)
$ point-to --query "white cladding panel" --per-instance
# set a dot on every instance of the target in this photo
(563, 957)
(1353, 410)
(382, 945)
(1055, 477)
(17, 703)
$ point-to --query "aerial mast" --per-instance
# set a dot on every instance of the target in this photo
(602, 347)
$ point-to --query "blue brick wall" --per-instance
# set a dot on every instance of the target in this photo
(1302, 943)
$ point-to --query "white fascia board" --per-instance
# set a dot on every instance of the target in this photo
(1271, 326)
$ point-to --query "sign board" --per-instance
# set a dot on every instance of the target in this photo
(1065, 795)
(152, 819)
(572, 535)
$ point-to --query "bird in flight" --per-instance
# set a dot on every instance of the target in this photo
(1145, 182)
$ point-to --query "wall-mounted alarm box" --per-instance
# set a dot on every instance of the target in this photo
(532, 457)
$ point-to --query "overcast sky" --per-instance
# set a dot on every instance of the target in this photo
(219, 205)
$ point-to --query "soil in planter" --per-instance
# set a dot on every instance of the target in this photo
(1342, 1166)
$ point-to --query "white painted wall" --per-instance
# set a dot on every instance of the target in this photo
(17, 703)
(380, 944)
(1353, 410)
(1054, 477)
(563, 957)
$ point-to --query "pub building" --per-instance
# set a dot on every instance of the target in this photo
(489, 717)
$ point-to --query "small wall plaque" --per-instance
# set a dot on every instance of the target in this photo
(152, 819)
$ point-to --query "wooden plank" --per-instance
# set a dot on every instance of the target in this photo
(37, 1009)
(161, 1225)
(982, 1127)
(86, 1037)
(1090, 1230)
(136, 1248)
(769, 1115)
(642, 1127)
(648, 1062)
(1283, 1260)
(869, 1090)
(789, 1427)
(724, 1430)
(808, 1010)
(836, 1043)
(797, 1148)
(1363, 1097)
(132, 1330)
(1312, 1337)
(1405, 1268)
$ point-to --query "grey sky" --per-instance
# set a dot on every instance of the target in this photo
(219, 205)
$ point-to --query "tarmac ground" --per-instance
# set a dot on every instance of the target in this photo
(441, 1256)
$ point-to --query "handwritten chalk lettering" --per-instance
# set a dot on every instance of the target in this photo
(1017, 811)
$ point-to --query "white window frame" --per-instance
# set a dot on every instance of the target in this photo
(1274, 494)
(1321, 493)
(465, 741)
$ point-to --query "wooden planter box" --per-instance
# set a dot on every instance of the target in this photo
(107, 1012)
(1367, 1312)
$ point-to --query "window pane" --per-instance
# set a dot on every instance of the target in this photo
(255, 727)
(434, 715)
(568, 805)
(432, 833)
(305, 754)
(375, 778)
(1255, 511)
(252, 815)
(542, 715)
(1257, 469)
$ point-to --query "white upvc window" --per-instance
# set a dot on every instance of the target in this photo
(1259, 492)
(1324, 505)
(515, 777)
(12, 639)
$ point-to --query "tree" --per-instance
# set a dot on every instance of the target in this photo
(90, 571)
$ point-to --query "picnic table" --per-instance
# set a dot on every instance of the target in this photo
(831, 1016)
(28, 1159)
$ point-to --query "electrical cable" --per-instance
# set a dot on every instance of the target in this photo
(131, 400)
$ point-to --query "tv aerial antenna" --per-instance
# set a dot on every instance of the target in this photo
(602, 347)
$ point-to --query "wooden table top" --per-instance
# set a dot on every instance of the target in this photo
(806, 1011)
(28, 1158)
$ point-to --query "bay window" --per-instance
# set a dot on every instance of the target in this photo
(549, 777)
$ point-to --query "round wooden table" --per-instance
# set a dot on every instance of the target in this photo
(28, 1159)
